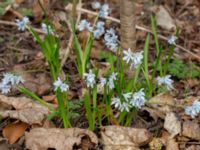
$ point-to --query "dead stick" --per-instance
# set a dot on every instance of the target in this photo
(9, 23)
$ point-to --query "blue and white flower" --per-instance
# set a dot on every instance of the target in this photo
(127, 96)
(8, 81)
(124, 107)
(138, 99)
(21, 24)
(111, 39)
(100, 30)
(60, 84)
(128, 55)
(193, 110)
(172, 40)
(136, 59)
(96, 5)
(116, 102)
(5, 88)
(85, 25)
(104, 11)
(111, 80)
(103, 81)
(47, 28)
(166, 80)
(90, 79)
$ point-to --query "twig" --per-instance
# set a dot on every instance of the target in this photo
(10, 23)
(69, 7)
(67, 51)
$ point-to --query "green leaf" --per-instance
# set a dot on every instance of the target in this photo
(89, 113)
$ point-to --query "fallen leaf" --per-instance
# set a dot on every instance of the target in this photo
(160, 105)
(27, 110)
(172, 145)
(49, 98)
(14, 131)
(123, 138)
(191, 148)
(172, 124)
(37, 10)
(168, 142)
(163, 18)
(39, 83)
(191, 129)
(60, 139)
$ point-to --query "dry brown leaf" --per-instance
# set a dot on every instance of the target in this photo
(172, 124)
(191, 148)
(172, 145)
(169, 143)
(163, 18)
(37, 10)
(123, 138)
(27, 110)
(160, 105)
(191, 129)
(14, 131)
(60, 139)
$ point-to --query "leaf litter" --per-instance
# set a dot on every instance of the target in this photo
(26, 109)
(60, 139)
(172, 121)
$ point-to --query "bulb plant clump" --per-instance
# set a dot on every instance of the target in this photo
(121, 95)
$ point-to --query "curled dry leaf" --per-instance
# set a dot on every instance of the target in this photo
(14, 131)
(191, 129)
(172, 124)
(27, 110)
(60, 139)
(123, 138)
(160, 105)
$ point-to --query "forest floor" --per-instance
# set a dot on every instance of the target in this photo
(25, 123)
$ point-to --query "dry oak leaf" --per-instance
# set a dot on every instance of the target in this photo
(27, 110)
(124, 138)
(172, 124)
(14, 131)
(60, 139)
(191, 129)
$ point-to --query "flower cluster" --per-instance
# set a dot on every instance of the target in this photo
(90, 79)
(8, 81)
(165, 81)
(193, 110)
(100, 30)
(21, 24)
(111, 39)
(47, 28)
(60, 84)
(84, 25)
(129, 100)
(110, 81)
(172, 40)
(134, 58)
(104, 9)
